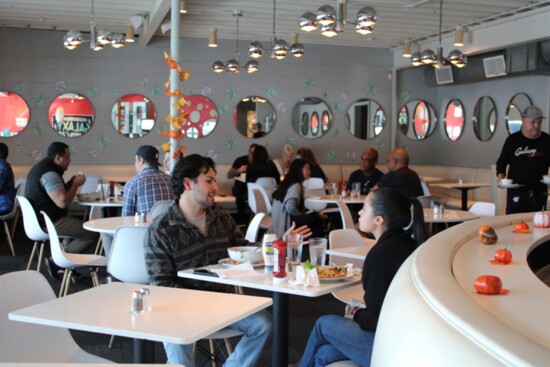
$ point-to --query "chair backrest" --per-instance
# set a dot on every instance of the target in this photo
(339, 238)
(259, 203)
(30, 221)
(314, 183)
(159, 208)
(254, 227)
(316, 207)
(426, 201)
(58, 255)
(127, 258)
(95, 212)
(26, 342)
(91, 184)
(347, 219)
(483, 208)
(266, 182)
(425, 187)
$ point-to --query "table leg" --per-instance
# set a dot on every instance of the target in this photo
(280, 330)
(464, 199)
(144, 351)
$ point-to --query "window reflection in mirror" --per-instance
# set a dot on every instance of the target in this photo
(454, 119)
(133, 115)
(365, 119)
(71, 115)
(311, 118)
(254, 117)
(423, 119)
(484, 118)
(202, 116)
(14, 114)
(517, 104)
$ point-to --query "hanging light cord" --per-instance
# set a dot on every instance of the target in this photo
(237, 44)
(274, 10)
(440, 19)
(93, 11)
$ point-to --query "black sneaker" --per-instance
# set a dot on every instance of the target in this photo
(52, 269)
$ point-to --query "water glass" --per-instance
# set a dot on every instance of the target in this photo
(317, 251)
(356, 189)
(294, 246)
(333, 189)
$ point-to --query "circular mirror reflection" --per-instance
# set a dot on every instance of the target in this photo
(133, 115)
(421, 123)
(311, 118)
(365, 119)
(202, 116)
(454, 119)
(484, 119)
(254, 117)
(14, 114)
(71, 115)
(517, 104)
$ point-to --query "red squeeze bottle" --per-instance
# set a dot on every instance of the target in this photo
(279, 260)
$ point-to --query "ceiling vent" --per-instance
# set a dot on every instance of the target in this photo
(494, 66)
(444, 75)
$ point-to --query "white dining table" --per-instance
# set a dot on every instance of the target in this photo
(464, 187)
(448, 216)
(180, 316)
(331, 199)
(109, 225)
(109, 203)
(353, 252)
(280, 300)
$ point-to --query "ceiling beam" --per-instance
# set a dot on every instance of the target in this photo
(158, 12)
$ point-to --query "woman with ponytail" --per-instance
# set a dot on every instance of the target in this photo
(385, 214)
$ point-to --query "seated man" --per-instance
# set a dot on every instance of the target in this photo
(400, 177)
(47, 191)
(367, 174)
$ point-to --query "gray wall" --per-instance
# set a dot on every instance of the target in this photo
(35, 65)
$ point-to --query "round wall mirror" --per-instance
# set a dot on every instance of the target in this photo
(254, 117)
(485, 118)
(202, 116)
(133, 115)
(71, 115)
(454, 119)
(417, 119)
(311, 117)
(14, 114)
(517, 104)
(365, 119)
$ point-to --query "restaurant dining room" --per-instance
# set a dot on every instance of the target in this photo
(275, 182)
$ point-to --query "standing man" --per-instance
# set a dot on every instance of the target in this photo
(149, 186)
(367, 174)
(196, 232)
(46, 190)
(240, 190)
(527, 152)
(400, 177)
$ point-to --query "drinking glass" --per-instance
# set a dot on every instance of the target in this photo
(294, 246)
(317, 251)
(356, 189)
(333, 189)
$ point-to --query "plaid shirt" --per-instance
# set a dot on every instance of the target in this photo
(144, 190)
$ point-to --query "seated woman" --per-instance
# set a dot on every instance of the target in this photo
(261, 166)
(283, 163)
(288, 201)
(316, 170)
(7, 183)
(350, 337)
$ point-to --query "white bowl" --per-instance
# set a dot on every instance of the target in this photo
(245, 253)
(506, 181)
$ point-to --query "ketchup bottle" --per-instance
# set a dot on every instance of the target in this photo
(279, 261)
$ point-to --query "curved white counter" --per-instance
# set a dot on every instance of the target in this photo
(432, 315)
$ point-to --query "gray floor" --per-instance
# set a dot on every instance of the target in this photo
(303, 313)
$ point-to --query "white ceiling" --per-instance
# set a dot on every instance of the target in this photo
(398, 19)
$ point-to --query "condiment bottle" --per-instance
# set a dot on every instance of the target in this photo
(146, 296)
(137, 217)
(137, 302)
(279, 261)
(268, 251)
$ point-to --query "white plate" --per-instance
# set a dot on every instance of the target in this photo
(225, 262)
(332, 280)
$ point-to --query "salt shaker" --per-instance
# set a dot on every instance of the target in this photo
(146, 296)
(143, 218)
(137, 302)
(137, 217)
(436, 209)
(442, 209)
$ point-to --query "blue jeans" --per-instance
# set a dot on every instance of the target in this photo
(256, 329)
(335, 338)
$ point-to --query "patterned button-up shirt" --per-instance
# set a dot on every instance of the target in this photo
(144, 190)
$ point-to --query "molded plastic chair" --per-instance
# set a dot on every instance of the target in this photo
(95, 213)
(127, 258)
(71, 261)
(159, 208)
(346, 238)
(483, 208)
(314, 183)
(11, 215)
(22, 342)
(267, 182)
(347, 219)
(425, 187)
(259, 203)
(426, 201)
(254, 227)
(346, 363)
(33, 230)
(91, 184)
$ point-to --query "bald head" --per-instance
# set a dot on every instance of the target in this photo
(369, 159)
(398, 158)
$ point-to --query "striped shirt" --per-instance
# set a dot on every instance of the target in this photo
(144, 190)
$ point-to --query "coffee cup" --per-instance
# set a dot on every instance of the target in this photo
(506, 182)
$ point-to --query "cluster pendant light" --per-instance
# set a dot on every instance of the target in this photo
(233, 66)
(428, 57)
(98, 38)
(331, 21)
(279, 48)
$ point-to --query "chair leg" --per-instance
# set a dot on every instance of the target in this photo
(213, 352)
(98, 247)
(68, 282)
(112, 341)
(95, 277)
(33, 252)
(229, 346)
(8, 236)
(14, 223)
(63, 283)
(40, 257)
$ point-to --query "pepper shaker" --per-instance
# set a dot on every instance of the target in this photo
(137, 302)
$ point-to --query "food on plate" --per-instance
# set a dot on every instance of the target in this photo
(308, 266)
(502, 256)
(542, 219)
(487, 235)
(231, 262)
(489, 284)
(332, 272)
(521, 227)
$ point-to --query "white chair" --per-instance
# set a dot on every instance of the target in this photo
(22, 342)
(483, 208)
(347, 219)
(13, 216)
(96, 213)
(33, 230)
(426, 201)
(91, 184)
(254, 227)
(339, 238)
(346, 363)
(127, 258)
(71, 261)
(267, 182)
(425, 188)
(314, 183)
(259, 203)
(159, 208)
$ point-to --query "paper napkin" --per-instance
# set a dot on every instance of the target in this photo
(238, 271)
(306, 278)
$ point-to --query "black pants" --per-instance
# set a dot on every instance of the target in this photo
(525, 201)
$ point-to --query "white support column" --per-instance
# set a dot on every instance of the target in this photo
(174, 75)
